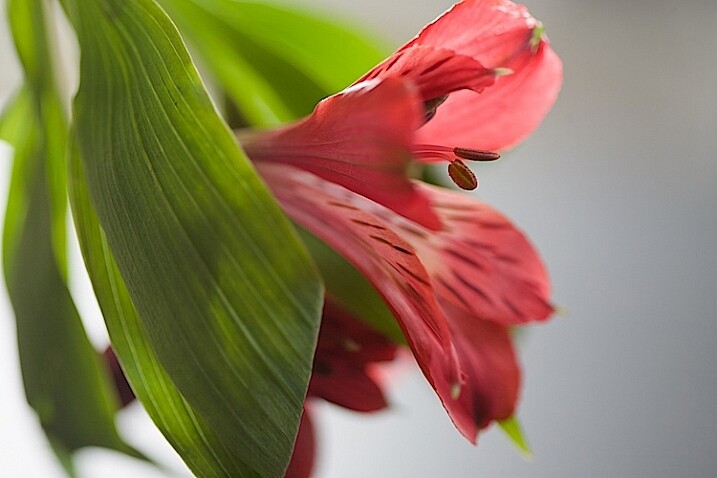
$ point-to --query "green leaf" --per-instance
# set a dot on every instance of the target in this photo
(289, 60)
(64, 380)
(12, 128)
(27, 21)
(225, 291)
(203, 450)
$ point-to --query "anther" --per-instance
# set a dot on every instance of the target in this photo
(462, 175)
(475, 154)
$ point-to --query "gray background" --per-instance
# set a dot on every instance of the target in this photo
(617, 189)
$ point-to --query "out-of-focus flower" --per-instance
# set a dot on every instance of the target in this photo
(344, 373)
(455, 272)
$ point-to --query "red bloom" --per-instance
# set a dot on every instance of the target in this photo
(342, 374)
(454, 272)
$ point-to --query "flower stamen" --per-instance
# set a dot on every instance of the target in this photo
(458, 171)
(476, 154)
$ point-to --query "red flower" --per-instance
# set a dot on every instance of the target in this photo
(343, 374)
(455, 272)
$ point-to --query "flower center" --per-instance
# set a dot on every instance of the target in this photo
(458, 171)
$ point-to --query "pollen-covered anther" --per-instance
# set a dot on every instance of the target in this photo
(462, 175)
(476, 154)
(432, 153)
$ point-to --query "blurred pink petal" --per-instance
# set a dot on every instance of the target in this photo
(345, 350)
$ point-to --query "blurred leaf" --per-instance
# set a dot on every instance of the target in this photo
(274, 63)
(12, 128)
(63, 377)
(225, 291)
(28, 25)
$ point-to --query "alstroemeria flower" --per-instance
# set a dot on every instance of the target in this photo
(455, 273)
(344, 373)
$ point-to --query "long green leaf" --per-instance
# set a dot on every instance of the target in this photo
(61, 373)
(202, 449)
(226, 292)
(64, 380)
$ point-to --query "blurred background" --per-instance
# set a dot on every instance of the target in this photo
(618, 190)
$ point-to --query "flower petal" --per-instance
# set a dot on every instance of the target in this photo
(345, 336)
(346, 385)
(462, 48)
(480, 261)
(338, 217)
(435, 71)
(346, 349)
(304, 456)
(492, 32)
(492, 372)
(361, 139)
(502, 115)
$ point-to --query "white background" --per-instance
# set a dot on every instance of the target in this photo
(618, 189)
